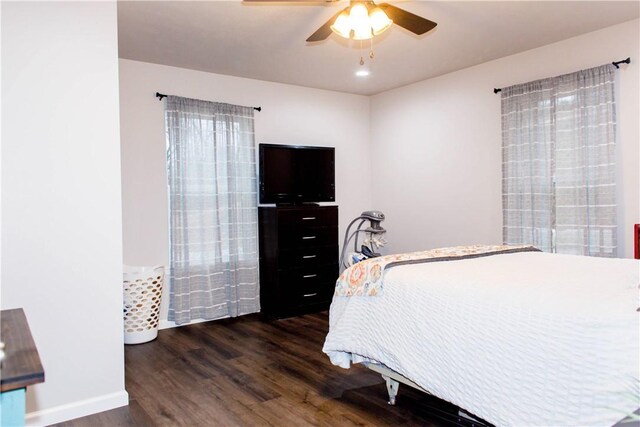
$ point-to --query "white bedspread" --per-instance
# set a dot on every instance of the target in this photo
(526, 339)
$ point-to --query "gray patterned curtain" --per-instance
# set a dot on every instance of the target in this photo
(212, 210)
(558, 167)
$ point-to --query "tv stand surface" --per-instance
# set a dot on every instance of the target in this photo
(296, 204)
(298, 259)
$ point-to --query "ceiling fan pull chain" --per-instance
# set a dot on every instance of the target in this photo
(371, 50)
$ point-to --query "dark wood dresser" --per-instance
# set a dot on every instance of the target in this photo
(298, 259)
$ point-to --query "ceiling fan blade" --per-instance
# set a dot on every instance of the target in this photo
(290, 1)
(414, 23)
(325, 31)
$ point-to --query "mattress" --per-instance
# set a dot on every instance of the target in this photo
(517, 339)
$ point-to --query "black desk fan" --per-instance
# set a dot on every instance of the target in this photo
(373, 241)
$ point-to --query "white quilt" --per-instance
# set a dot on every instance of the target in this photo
(524, 339)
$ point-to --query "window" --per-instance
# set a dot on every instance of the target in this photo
(558, 138)
(213, 211)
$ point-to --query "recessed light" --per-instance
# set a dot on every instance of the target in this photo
(362, 73)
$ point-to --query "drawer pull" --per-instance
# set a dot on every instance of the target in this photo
(308, 256)
(309, 276)
(310, 295)
(308, 218)
(308, 237)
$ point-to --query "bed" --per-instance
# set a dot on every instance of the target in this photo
(512, 335)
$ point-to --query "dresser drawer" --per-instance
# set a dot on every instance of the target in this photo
(320, 293)
(308, 217)
(308, 257)
(307, 278)
(308, 237)
(308, 285)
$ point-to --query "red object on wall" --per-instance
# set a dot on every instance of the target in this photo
(636, 241)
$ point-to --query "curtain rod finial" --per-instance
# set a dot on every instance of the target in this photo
(624, 61)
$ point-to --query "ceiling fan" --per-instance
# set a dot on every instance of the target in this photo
(363, 19)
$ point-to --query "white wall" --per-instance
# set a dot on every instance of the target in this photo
(61, 225)
(436, 144)
(428, 154)
(290, 115)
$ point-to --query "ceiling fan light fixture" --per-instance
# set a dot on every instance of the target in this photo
(362, 33)
(342, 25)
(359, 17)
(379, 21)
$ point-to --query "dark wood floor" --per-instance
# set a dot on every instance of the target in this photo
(245, 372)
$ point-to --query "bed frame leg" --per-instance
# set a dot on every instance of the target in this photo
(392, 389)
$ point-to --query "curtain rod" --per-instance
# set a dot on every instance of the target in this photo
(162, 95)
(615, 63)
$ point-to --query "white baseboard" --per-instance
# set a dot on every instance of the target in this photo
(78, 409)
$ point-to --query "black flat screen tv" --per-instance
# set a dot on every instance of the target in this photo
(292, 174)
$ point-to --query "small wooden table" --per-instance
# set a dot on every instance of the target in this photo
(20, 368)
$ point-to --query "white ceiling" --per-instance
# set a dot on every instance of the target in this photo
(267, 41)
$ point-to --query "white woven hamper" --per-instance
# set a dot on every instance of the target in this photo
(142, 297)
